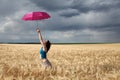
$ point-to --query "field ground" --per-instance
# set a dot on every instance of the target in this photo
(70, 62)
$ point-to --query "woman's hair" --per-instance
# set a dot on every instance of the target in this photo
(48, 44)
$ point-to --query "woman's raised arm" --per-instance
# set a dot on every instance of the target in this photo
(40, 38)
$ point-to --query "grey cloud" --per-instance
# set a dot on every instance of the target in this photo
(9, 7)
(52, 5)
(69, 13)
(65, 28)
(76, 7)
(101, 17)
(82, 5)
(92, 5)
(62, 24)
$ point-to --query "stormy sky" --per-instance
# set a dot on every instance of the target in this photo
(71, 21)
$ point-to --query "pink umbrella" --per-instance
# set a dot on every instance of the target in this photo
(35, 16)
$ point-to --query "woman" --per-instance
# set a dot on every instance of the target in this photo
(44, 49)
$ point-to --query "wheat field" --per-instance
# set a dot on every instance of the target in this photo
(70, 62)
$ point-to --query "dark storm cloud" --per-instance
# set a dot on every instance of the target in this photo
(9, 7)
(81, 5)
(52, 5)
(75, 20)
(12, 27)
(68, 13)
(65, 28)
(5, 8)
(95, 5)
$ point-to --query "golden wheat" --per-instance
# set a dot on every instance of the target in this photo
(70, 62)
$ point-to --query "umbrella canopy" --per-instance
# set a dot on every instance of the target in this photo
(35, 16)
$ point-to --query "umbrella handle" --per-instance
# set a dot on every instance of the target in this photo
(37, 23)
